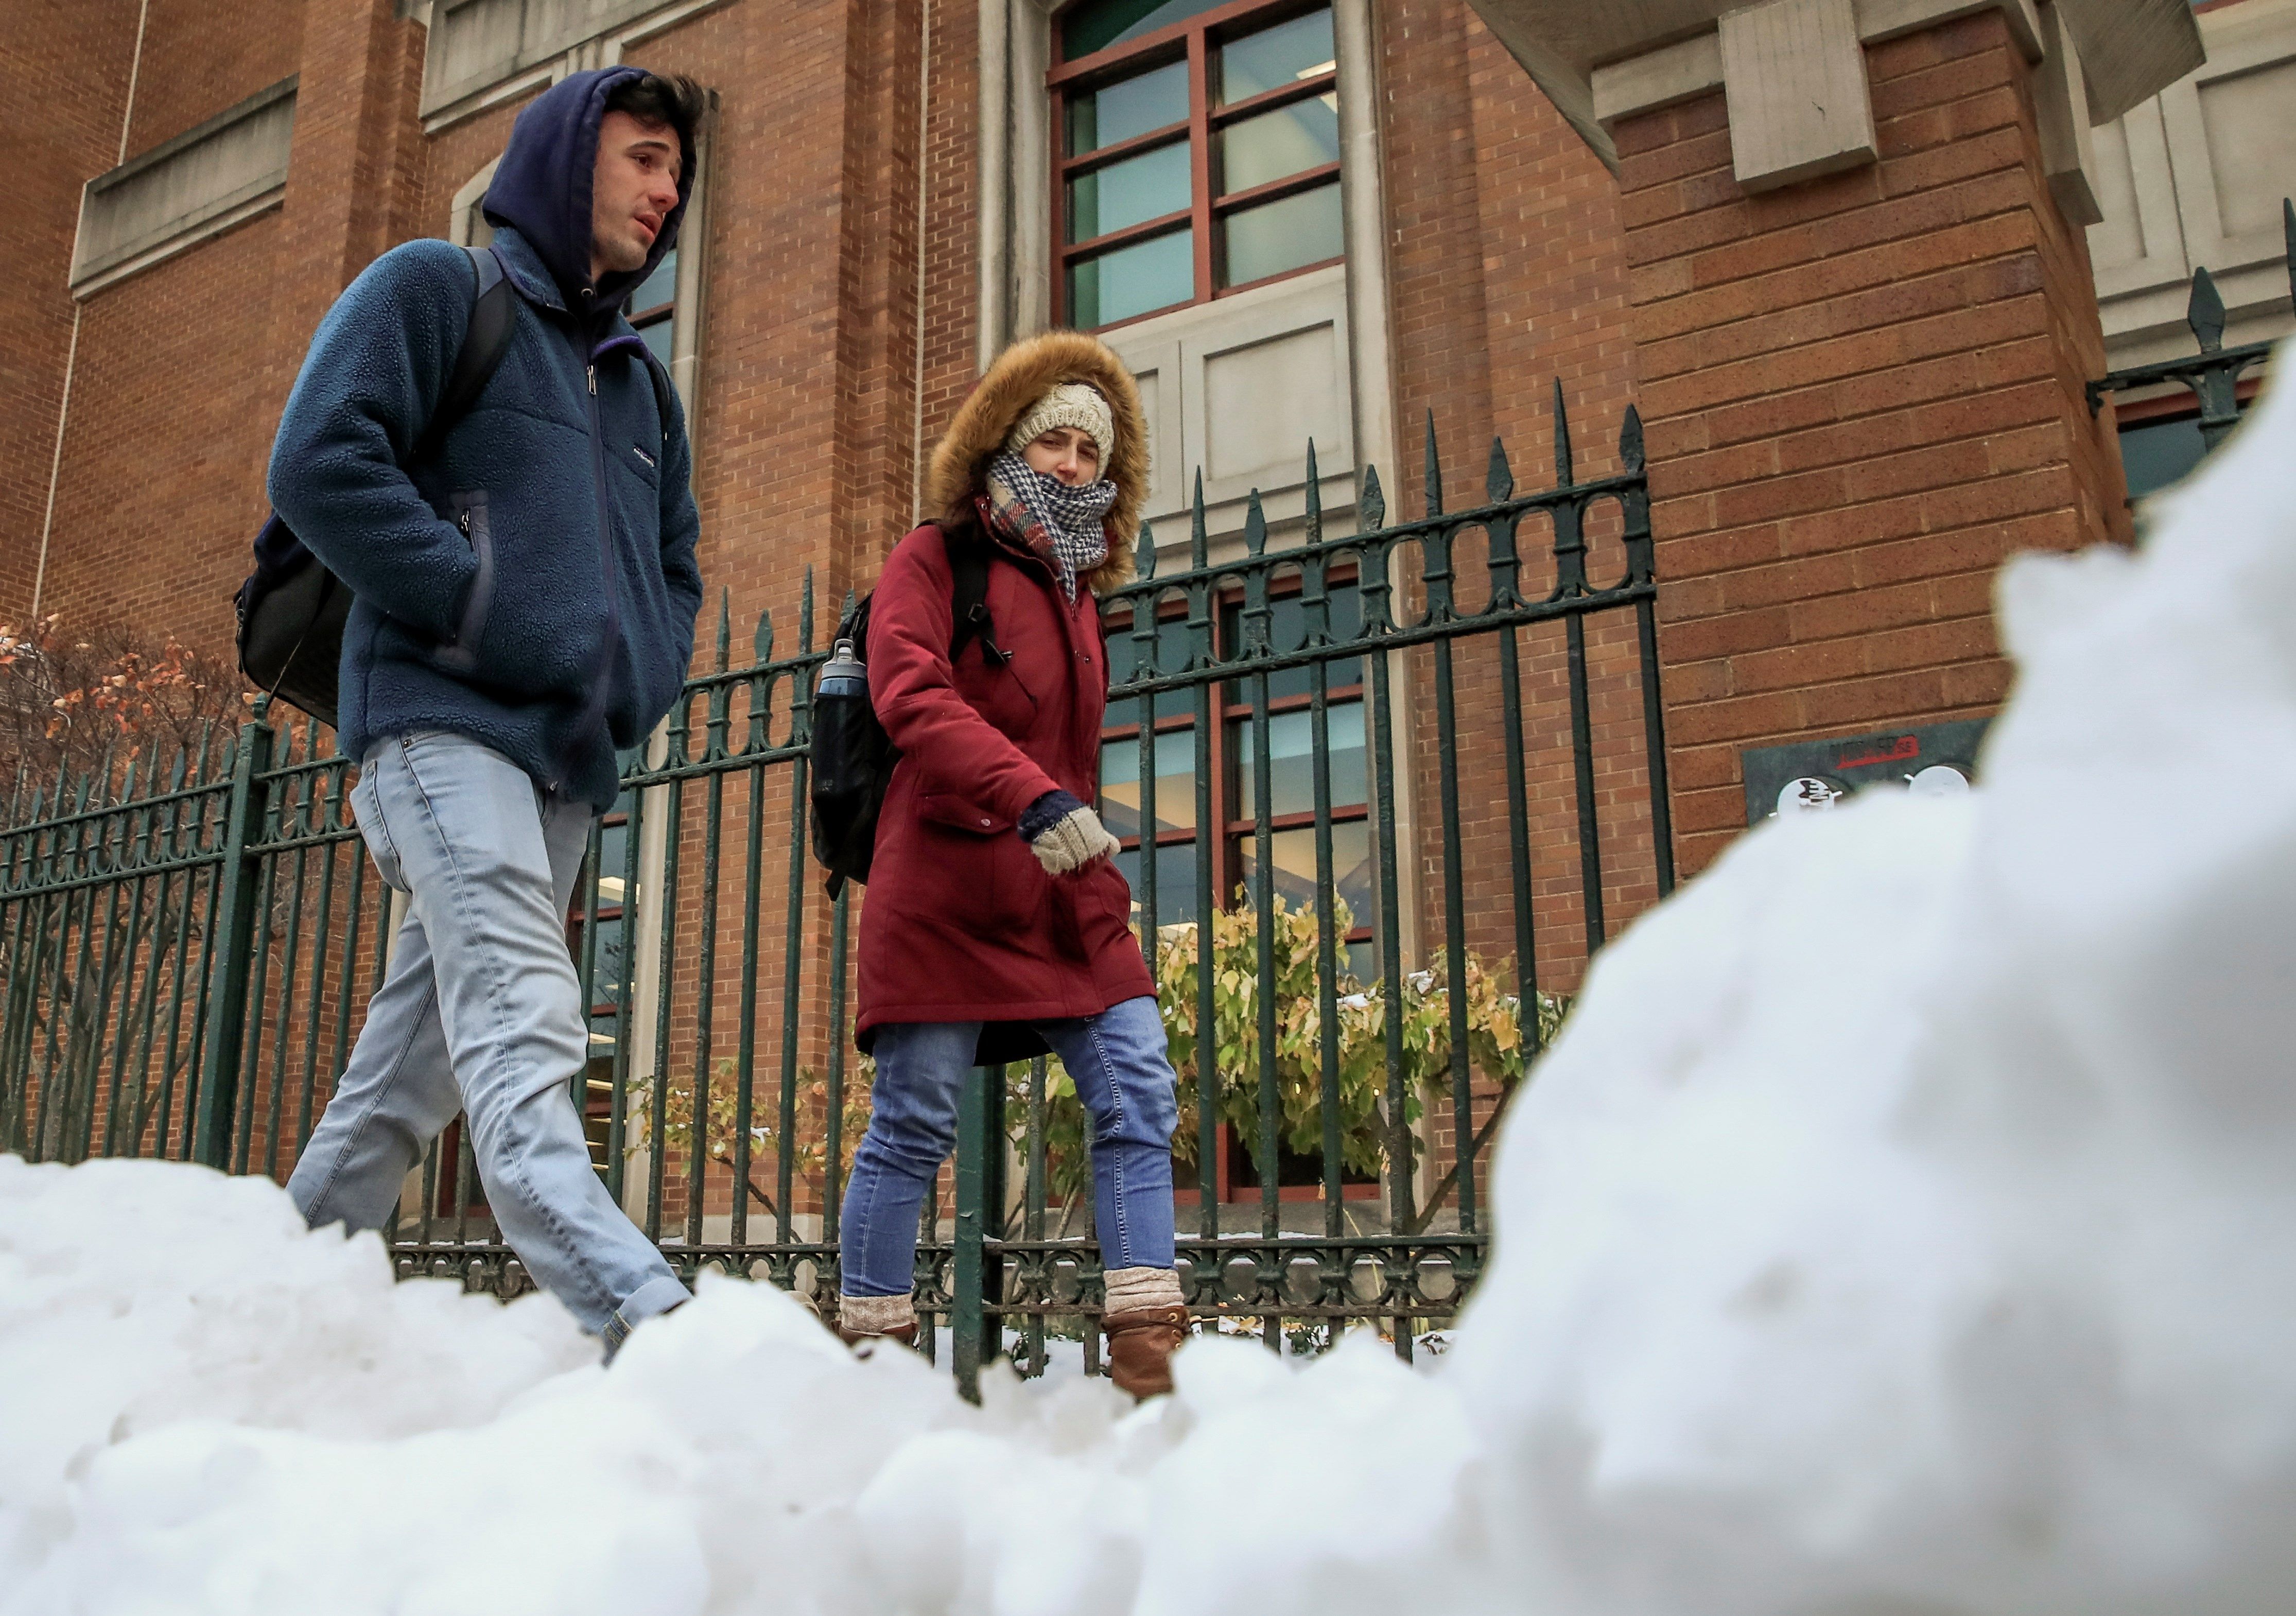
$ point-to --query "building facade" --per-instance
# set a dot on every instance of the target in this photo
(1392, 229)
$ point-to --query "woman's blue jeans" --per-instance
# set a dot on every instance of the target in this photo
(1122, 1075)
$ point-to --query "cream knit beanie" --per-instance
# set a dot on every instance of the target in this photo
(1075, 404)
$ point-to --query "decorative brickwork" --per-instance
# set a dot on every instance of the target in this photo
(1862, 393)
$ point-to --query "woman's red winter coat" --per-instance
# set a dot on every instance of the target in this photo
(960, 922)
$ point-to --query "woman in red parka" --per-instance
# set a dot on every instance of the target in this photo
(996, 925)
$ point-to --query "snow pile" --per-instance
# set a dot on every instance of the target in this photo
(1904, 1227)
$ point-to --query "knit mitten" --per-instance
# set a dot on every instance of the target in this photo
(1065, 833)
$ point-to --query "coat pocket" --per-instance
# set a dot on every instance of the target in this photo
(955, 813)
(468, 512)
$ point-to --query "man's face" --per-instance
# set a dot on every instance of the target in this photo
(632, 193)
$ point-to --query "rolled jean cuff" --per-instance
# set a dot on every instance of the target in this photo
(652, 1300)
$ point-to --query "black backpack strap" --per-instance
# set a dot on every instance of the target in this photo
(968, 564)
(484, 342)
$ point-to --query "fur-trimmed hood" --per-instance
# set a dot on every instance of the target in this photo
(1022, 374)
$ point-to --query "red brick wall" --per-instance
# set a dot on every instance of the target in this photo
(66, 62)
(1862, 393)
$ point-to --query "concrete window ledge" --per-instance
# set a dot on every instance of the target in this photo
(480, 53)
(205, 181)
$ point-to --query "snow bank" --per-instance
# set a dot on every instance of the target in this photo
(1905, 1225)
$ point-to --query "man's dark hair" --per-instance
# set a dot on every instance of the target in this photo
(663, 99)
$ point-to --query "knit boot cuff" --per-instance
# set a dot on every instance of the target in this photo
(875, 1315)
(1129, 1290)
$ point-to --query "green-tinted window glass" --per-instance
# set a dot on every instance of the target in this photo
(1275, 145)
(1097, 24)
(1128, 192)
(1130, 107)
(1176, 782)
(2157, 454)
(1284, 234)
(1283, 54)
(1353, 875)
(1292, 762)
(1134, 280)
(1176, 881)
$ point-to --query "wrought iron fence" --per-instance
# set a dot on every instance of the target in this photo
(2213, 375)
(1385, 787)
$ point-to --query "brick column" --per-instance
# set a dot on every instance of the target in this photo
(1862, 390)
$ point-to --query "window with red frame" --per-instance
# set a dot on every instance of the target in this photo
(1175, 838)
(1196, 151)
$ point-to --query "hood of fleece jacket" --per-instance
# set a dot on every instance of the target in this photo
(541, 188)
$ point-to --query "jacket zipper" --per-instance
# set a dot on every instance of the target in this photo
(594, 713)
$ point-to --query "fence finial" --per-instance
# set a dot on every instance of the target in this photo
(1314, 533)
(725, 627)
(1562, 457)
(1434, 475)
(2288, 239)
(1372, 507)
(1255, 526)
(1630, 442)
(762, 641)
(805, 613)
(2206, 313)
(1498, 482)
(1144, 553)
(1199, 542)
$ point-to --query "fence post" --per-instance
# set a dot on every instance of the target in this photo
(974, 1335)
(234, 940)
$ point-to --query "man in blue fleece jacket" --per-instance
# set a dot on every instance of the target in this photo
(525, 607)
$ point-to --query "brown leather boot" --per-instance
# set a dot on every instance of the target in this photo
(905, 1334)
(1140, 1348)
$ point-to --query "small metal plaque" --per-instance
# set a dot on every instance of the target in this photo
(1811, 777)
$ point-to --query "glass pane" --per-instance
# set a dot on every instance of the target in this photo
(1131, 193)
(659, 336)
(1272, 145)
(658, 287)
(2155, 454)
(1175, 882)
(1292, 762)
(1171, 657)
(606, 987)
(1283, 54)
(1098, 24)
(1287, 630)
(1176, 782)
(1356, 878)
(1280, 235)
(1133, 280)
(1130, 106)
(613, 841)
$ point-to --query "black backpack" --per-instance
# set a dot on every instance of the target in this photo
(291, 609)
(853, 757)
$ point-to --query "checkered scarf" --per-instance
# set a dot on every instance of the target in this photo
(1064, 527)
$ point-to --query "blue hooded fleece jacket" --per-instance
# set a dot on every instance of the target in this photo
(533, 585)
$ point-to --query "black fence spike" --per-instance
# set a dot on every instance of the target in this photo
(1255, 526)
(1144, 552)
(725, 627)
(1563, 476)
(762, 641)
(2206, 313)
(1199, 542)
(1630, 442)
(2288, 239)
(1434, 475)
(1499, 481)
(805, 613)
(1315, 531)
(1373, 506)
(183, 766)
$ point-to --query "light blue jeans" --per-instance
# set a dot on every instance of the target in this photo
(481, 1012)
(1122, 1075)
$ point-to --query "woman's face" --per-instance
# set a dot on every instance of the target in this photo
(1067, 453)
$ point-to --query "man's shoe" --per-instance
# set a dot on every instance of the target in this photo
(1140, 1348)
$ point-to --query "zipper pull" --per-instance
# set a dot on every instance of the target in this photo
(464, 522)
(593, 381)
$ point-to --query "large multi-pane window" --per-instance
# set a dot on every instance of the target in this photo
(1198, 152)
(1176, 841)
